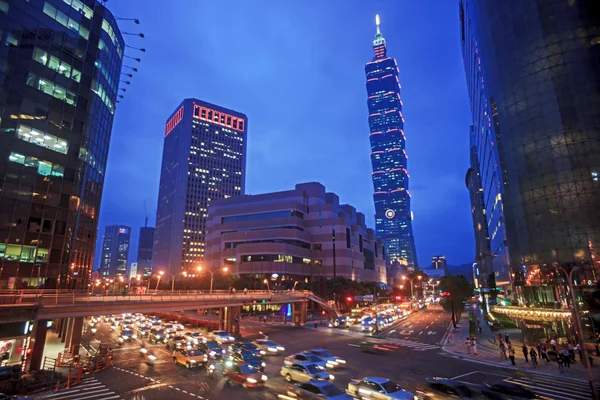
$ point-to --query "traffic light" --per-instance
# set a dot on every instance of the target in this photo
(348, 299)
(398, 297)
(264, 301)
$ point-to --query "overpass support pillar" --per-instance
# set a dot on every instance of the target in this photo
(76, 326)
(299, 313)
(36, 344)
(66, 336)
(222, 318)
(232, 320)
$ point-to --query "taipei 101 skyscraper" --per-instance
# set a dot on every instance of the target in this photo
(393, 217)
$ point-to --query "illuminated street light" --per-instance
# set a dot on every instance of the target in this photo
(411, 280)
(212, 275)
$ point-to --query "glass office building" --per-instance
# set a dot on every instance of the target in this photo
(145, 247)
(533, 75)
(393, 218)
(204, 159)
(115, 251)
(60, 64)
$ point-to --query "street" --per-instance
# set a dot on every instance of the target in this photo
(417, 357)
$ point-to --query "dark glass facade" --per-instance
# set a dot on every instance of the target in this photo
(145, 248)
(204, 159)
(393, 218)
(533, 73)
(115, 251)
(60, 64)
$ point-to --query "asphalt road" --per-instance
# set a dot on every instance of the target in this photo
(417, 356)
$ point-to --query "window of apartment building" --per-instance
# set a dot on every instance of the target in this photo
(348, 238)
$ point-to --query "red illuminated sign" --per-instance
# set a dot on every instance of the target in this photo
(174, 121)
(218, 117)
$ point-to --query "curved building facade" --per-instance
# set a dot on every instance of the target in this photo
(533, 73)
(60, 66)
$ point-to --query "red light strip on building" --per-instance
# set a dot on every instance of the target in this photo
(174, 121)
(218, 117)
(385, 76)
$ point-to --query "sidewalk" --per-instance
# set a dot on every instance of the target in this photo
(488, 352)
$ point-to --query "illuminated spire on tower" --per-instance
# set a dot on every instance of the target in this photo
(379, 42)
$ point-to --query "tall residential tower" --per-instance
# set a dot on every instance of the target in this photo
(204, 159)
(115, 251)
(393, 218)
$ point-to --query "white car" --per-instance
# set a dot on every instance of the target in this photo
(304, 372)
(305, 357)
(194, 337)
(331, 360)
(268, 346)
(222, 337)
(378, 388)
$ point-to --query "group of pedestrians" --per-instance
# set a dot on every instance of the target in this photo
(471, 344)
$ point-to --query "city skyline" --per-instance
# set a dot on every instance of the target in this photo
(275, 149)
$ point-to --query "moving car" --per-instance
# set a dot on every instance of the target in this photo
(143, 331)
(249, 358)
(190, 357)
(245, 345)
(317, 390)
(370, 347)
(340, 322)
(268, 346)
(509, 390)
(194, 337)
(377, 388)
(304, 372)
(330, 359)
(244, 375)
(177, 342)
(305, 357)
(127, 334)
(212, 348)
(440, 388)
(222, 337)
(169, 328)
(158, 335)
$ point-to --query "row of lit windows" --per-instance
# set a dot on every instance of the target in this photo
(65, 21)
(279, 258)
(30, 254)
(99, 90)
(42, 139)
(81, 8)
(105, 74)
(106, 27)
(55, 64)
(52, 89)
(44, 168)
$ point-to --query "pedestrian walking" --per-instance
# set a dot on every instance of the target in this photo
(539, 349)
(315, 324)
(545, 355)
(468, 344)
(560, 360)
(502, 351)
(578, 348)
(511, 354)
(499, 338)
(525, 352)
(533, 357)
(572, 352)
(245, 290)
(566, 357)
(474, 345)
(553, 344)
(506, 337)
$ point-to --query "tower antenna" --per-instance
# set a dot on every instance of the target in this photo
(146, 215)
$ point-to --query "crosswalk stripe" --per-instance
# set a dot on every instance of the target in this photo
(89, 388)
(553, 381)
(580, 392)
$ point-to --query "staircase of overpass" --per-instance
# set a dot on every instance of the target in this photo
(25, 305)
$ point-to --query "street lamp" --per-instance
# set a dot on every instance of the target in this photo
(268, 287)
(212, 275)
(160, 274)
(411, 280)
(577, 318)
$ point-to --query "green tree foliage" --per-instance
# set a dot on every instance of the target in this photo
(459, 290)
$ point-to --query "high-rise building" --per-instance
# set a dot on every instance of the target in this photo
(115, 251)
(299, 235)
(393, 218)
(534, 85)
(60, 65)
(204, 159)
(439, 263)
(144, 254)
(133, 271)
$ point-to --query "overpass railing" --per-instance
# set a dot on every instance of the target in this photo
(49, 298)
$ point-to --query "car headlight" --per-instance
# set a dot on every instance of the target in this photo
(331, 364)
(319, 367)
(272, 349)
(231, 338)
(212, 353)
(340, 361)
(223, 351)
(330, 325)
(264, 377)
(134, 336)
(331, 377)
(158, 336)
(193, 361)
(251, 380)
(262, 364)
(262, 352)
(125, 337)
(280, 348)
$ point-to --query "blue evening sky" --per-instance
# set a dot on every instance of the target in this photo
(296, 69)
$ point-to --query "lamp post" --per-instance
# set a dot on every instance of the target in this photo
(434, 284)
(172, 283)
(160, 274)
(411, 280)
(268, 287)
(581, 339)
(212, 275)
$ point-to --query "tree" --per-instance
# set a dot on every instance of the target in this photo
(459, 290)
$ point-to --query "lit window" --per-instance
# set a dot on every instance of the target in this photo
(42, 139)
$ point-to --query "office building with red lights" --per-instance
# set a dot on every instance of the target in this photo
(204, 159)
